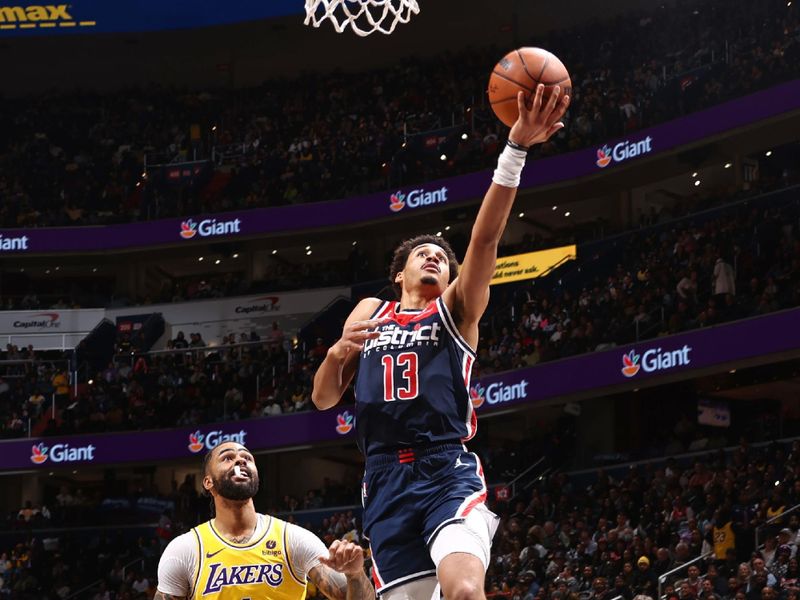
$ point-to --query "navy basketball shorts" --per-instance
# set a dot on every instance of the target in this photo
(409, 496)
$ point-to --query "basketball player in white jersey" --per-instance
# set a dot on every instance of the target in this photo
(243, 555)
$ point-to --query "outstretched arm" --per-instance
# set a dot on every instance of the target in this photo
(337, 370)
(469, 295)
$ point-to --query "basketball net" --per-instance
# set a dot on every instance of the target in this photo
(363, 16)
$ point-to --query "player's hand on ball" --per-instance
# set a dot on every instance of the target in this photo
(344, 557)
(539, 122)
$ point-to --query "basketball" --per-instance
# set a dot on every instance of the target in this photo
(523, 69)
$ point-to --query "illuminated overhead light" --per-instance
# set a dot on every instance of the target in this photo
(470, 109)
(696, 183)
(403, 145)
(732, 371)
(214, 128)
(728, 165)
(694, 174)
(555, 207)
(274, 252)
(216, 262)
(199, 259)
(94, 270)
(447, 228)
(47, 271)
(383, 165)
(443, 157)
(138, 183)
(439, 234)
(235, 255)
(768, 153)
(308, 253)
(308, 247)
(777, 483)
(144, 175)
(74, 472)
(91, 381)
(22, 269)
(355, 242)
(464, 136)
(58, 268)
(566, 214)
(522, 214)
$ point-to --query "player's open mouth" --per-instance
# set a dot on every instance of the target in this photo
(431, 267)
(240, 473)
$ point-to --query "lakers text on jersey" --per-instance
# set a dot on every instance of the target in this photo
(259, 569)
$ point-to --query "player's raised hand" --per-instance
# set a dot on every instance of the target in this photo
(355, 334)
(538, 122)
(344, 557)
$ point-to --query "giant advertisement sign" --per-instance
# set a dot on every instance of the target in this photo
(446, 192)
(713, 348)
(21, 18)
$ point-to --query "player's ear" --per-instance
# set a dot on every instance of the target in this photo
(208, 484)
(399, 277)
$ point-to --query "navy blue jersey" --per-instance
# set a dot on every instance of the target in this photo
(412, 386)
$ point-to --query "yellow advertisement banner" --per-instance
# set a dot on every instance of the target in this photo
(532, 264)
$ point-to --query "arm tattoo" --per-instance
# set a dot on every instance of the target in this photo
(336, 586)
(163, 596)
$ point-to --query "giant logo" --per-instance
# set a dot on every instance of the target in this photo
(477, 395)
(59, 453)
(654, 360)
(497, 393)
(13, 243)
(199, 441)
(416, 198)
(623, 151)
(209, 228)
(344, 423)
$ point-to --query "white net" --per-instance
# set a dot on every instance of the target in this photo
(363, 16)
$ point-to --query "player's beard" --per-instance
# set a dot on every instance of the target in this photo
(236, 490)
(429, 280)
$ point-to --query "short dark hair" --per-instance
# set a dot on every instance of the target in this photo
(401, 253)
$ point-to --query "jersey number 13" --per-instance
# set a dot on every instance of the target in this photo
(404, 387)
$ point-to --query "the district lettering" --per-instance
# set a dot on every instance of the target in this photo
(394, 336)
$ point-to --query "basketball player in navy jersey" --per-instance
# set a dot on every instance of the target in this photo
(423, 493)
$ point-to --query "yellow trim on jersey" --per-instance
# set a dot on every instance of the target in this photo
(247, 544)
(199, 562)
(289, 558)
(258, 570)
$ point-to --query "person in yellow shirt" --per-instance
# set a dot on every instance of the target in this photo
(244, 554)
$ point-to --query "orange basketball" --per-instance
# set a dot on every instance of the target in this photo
(524, 69)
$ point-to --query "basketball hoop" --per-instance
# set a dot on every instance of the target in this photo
(363, 16)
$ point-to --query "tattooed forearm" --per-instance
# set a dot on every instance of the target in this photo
(360, 588)
(163, 596)
(332, 584)
(336, 586)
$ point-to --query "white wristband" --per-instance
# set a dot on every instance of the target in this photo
(509, 167)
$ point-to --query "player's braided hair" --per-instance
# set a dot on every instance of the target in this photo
(401, 253)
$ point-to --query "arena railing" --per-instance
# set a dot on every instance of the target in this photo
(769, 522)
(662, 579)
(81, 593)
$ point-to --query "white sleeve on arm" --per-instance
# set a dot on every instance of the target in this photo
(304, 548)
(177, 565)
